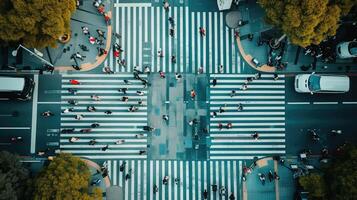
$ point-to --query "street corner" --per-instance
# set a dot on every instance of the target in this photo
(268, 179)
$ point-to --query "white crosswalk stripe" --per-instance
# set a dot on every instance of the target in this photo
(187, 179)
(119, 125)
(191, 50)
(263, 112)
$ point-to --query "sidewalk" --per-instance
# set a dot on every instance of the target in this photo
(293, 56)
(86, 15)
(93, 167)
(281, 189)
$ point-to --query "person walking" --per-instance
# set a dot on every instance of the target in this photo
(202, 31)
(165, 180)
(257, 76)
(73, 139)
(229, 125)
(95, 97)
(95, 125)
(172, 32)
(123, 90)
(162, 74)
(122, 166)
(193, 94)
(108, 112)
(106, 147)
(171, 21)
(233, 93)
(85, 30)
(101, 33)
(155, 189)
(220, 69)
(220, 126)
(67, 110)
(214, 114)
(244, 87)
(222, 109)
(79, 117)
(255, 136)
(275, 77)
(92, 142)
(166, 6)
(232, 197)
(140, 93)
(222, 191)
(72, 91)
(240, 107)
(178, 76)
(165, 117)
(141, 152)
(91, 109)
(85, 130)
(120, 142)
(214, 82)
(47, 114)
(74, 82)
(205, 194)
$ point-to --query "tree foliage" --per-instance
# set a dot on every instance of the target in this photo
(306, 22)
(315, 185)
(14, 177)
(341, 176)
(35, 23)
(66, 177)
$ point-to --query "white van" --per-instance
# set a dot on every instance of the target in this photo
(16, 88)
(314, 83)
(347, 49)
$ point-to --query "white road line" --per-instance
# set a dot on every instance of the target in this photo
(215, 66)
(123, 34)
(151, 179)
(16, 128)
(181, 39)
(199, 40)
(181, 180)
(199, 178)
(187, 53)
(193, 63)
(163, 171)
(134, 40)
(120, 175)
(139, 180)
(175, 175)
(215, 141)
(233, 157)
(163, 38)
(129, 31)
(221, 41)
(298, 103)
(132, 5)
(210, 30)
(229, 177)
(228, 108)
(49, 102)
(34, 115)
(349, 102)
(141, 30)
(169, 50)
(238, 59)
(126, 183)
(228, 65)
(233, 53)
(193, 170)
(205, 175)
(246, 102)
(248, 129)
(158, 40)
(187, 180)
(115, 173)
(217, 176)
(152, 28)
(145, 180)
(132, 180)
(157, 165)
(204, 44)
(146, 30)
(324, 103)
(175, 43)
(225, 152)
(170, 179)
(211, 177)
(235, 177)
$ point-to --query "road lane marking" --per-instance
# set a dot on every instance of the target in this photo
(49, 102)
(349, 102)
(324, 103)
(298, 103)
(15, 128)
(34, 115)
(132, 5)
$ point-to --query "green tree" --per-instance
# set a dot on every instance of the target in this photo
(34, 23)
(315, 185)
(66, 177)
(341, 176)
(15, 180)
(306, 22)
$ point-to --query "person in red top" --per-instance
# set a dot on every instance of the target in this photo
(202, 32)
(91, 39)
(193, 94)
(101, 9)
(116, 53)
(74, 82)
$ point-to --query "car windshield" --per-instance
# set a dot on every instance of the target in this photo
(352, 48)
(314, 83)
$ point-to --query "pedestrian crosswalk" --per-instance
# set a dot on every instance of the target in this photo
(119, 125)
(144, 30)
(263, 104)
(192, 178)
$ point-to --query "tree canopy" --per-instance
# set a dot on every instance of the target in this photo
(306, 22)
(14, 177)
(66, 177)
(34, 23)
(315, 185)
(341, 176)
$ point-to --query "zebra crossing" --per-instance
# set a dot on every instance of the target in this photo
(193, 177)
(119, 125)
(144, 30)
(263, 112)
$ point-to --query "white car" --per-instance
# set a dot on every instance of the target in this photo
(347, 49)
(314, 83)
